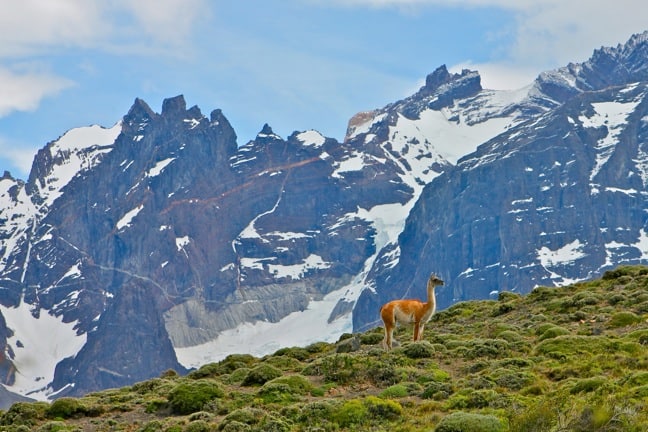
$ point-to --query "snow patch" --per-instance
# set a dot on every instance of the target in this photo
(73, 152)
(39, 344)
(311, 138)
(127, 219)
(159, 167)
(182, 242)
(263, 337)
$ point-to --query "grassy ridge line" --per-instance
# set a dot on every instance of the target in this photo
(559, 359)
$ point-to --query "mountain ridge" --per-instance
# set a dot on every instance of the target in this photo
(216, 241)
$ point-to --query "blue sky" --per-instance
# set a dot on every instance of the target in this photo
(294, 64)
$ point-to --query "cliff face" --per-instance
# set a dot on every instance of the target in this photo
(160, 233)
(550, 201)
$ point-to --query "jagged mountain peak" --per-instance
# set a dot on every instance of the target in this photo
(267, 133)
(607, 67)
(174, 106)
(442, 81)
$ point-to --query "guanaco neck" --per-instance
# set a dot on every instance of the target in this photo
(431, 301)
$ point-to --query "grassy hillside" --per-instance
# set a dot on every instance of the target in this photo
(559, 359)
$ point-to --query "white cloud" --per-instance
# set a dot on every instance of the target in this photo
(30, 26)
(44, 27)
(166, 20)
(500, 76)
(23, 91)
(19, 156)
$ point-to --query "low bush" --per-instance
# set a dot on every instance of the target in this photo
(189, 397)
(371, 338)
(273, 392)
(350, 413)
(198, 426)
(437, 391)
(470, 422)
(260, 375)
(247, 416)
(468, 399)
(298, 384)
(395, 391)
(418, 350)
(65, 408)
(622, 319)
(553, 332)
(297, 353)
(512, 379)
(381, 409)
(588, 385)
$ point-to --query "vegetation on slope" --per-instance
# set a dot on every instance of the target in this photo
(559, 359)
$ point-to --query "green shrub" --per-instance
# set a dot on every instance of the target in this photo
(317, 411)
(492, 348)
(284, 363)
(637, 379)
(298, 384)
(395, 391)
(512, 379)
(469, 422)
(261, 374)
(297, 353)
(189, 397)
(379, 409)
(24, 413)
(437, 391)
(198, 426)
(246, 416)
(65, 408)
(553, 332)
(272, 424)
(57, 426)
(371, 338)
(542, 294)
(417, 350)
(352, 412)
(338, 368)
(228, 365)
(274, 392)
(382, 373)
(152, 426)
(539, 418)
(588, 385)
(236, 377)
(469, 398)
(510, 336)
(506, 296)
(234, 426)
(563, 347)
(318, 347)
(623, 319)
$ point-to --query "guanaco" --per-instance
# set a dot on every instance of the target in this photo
(409, 312)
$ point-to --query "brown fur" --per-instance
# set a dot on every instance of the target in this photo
(409, 312)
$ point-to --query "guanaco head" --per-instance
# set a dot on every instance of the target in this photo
(434, 280)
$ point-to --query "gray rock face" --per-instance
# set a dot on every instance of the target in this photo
(169, 233)
(553, 200)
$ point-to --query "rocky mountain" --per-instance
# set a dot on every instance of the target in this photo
(556, 199)
(162, 243)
